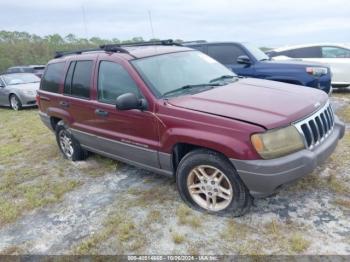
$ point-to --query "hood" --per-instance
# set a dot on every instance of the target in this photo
(269, 104)
(30, 86)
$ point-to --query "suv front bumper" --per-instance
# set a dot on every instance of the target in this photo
(264, 177)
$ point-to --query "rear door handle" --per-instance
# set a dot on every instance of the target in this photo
(101, 112)
(64, 104)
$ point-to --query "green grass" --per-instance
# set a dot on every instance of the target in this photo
(298, 243)
(33, 173)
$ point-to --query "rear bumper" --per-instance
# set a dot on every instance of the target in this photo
(46, 120)
(264, 177)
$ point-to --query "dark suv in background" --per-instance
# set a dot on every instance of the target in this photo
(249, 61)
(176, 111)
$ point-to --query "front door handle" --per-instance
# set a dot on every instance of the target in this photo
(101, 112)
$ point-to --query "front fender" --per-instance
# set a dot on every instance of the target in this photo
(236, 147)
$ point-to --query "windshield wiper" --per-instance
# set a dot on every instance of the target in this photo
(223, 77)
(188, 87)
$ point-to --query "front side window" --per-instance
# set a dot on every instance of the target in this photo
(52, 77)
(225, 54)
(168, 72)
(113, 81)
(335, 52)
(80, 85)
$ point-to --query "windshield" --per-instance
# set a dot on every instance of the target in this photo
(169, 72)
(257, 53)
(16, 79)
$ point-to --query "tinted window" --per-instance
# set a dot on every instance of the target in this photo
(335, 52)
(52, 77)
(113, 81)
(68, 81)
(225, 54)
(81, 79)
(306, 52)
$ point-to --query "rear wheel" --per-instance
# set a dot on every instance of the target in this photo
(15, 102)
(69, 146)
(207, 181)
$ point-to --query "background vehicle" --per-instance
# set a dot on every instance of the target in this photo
(247, 60)
(18, 90)
(336, 56)
(38, 70)
(176, 111)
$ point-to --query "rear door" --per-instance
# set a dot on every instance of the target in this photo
(130, 136)
(227, 55)
(76, 98)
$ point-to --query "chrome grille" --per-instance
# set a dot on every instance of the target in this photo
(316, 127)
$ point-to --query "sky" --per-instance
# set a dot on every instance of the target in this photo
(261, 22)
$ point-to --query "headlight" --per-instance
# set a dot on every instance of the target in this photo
(317, 71)
(276, 143)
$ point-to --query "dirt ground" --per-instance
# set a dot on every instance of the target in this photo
(49, 205)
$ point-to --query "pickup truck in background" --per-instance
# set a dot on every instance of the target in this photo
(249, 61)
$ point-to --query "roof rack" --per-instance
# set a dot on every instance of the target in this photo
(116, 48)
(195, 42)
(157, 42)
(108, 48)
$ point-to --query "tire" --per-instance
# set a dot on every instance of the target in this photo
(236, 201)
(68, 145)
(15, 102)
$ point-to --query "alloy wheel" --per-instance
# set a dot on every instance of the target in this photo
(66, 143)
(210, 188)
(14, 102)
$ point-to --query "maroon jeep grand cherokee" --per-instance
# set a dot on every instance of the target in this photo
(174, 110)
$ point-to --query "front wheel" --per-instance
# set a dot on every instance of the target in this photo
(15, 102)
(208, 182)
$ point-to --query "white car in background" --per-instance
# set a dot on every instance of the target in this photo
(337, 56)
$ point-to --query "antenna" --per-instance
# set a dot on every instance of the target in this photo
(150, 22)
(84, 20)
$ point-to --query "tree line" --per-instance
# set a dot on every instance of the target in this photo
(22, 48)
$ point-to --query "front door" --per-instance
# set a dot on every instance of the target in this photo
(130, 135)
(227, 55)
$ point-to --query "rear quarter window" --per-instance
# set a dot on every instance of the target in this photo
(52, 77)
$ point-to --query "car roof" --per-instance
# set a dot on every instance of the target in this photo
(133, 52)
(285, 48)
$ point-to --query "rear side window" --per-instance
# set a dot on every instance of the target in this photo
(52, 77)
(225, 54)
(113, 81)
(78, 79)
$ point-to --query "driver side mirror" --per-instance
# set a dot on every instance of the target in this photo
(129, 101)
(243, 59)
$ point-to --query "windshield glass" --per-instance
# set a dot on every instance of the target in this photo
(16, 79)
(257, 53)
(165, 73)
